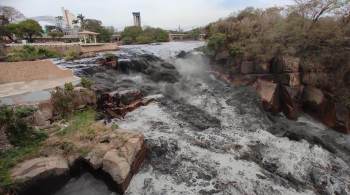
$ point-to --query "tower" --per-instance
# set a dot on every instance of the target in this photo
(137, 19)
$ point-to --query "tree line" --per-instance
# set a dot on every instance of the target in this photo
(28, 28)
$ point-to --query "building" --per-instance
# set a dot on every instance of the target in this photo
(3, 20)
(68, 18)
(137, 18)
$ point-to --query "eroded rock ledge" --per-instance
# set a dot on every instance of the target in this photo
(117, 153)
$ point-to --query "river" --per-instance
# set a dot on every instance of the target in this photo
(207, 137)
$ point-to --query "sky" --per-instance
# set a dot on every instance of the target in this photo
(167, 14)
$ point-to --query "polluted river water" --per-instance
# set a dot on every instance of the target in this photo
(207, 137)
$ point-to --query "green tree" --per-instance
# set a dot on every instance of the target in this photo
(217, 42)
(29, 28)
(105, 33)
(9, 30)
(131, 32)
(195, 33)
(82, 21)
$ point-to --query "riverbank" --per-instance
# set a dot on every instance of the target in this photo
(25, 82)
(62, 48)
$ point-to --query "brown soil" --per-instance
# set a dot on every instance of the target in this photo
(31, 70)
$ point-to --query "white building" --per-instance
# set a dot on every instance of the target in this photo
(137, 18)
(68, 18)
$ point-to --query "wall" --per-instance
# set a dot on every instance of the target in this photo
(64, 47)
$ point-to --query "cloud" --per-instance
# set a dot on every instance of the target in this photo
(167, 14)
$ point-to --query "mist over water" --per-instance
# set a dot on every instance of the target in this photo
(207, 137)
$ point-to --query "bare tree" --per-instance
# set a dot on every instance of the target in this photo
(11, 13)
(314, 9)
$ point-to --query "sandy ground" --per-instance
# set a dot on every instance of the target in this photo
(31, 70)
(29, 81)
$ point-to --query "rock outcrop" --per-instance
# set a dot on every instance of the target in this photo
(39, 168)
(117, 153)
(288, 85)
(269, 93)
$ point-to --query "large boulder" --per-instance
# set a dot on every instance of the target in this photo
(247, 67)
(117, 166)
(39, 168)
(44, 114)
(269, 94)
(262, 68)
(222, 56)
(289, 98)
(342, 118)
(316, 79)
(285, 64)
(313, 99)
(83, 97)
(289, 79)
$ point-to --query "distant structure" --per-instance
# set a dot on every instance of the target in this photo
(3, 20)
(68, 18)
(137, 19)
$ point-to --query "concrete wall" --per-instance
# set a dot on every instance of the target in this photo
(64, 47)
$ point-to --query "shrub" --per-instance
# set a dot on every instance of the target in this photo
(71, 55)
(127, 40)
(55, 34)
(216, 42)
(29, 53)
(143, 39)
(87, 83)
(17, 129)
(69, 87)
(235, 51)
(26, 139)
(62, 99)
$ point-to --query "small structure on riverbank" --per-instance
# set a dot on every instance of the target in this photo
(88, 36)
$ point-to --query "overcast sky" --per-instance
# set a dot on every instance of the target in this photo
(168, 14)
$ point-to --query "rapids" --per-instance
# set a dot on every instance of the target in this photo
(207, 137)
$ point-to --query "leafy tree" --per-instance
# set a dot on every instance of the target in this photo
(131, 32)
(195, 33)
(217, 41)
(29, 28)
(9, 30)
(134, 34)
(105, 33)
(82, 21)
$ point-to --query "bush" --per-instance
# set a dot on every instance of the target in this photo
(71, 55)
(55, 34)
(14, 121)
(127, 40)
(143, 39)
(235, 51)
(217, 42)
(87, 83)
(62, 100)
(29, 53)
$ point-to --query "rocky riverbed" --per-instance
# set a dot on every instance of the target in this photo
(208, 137)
